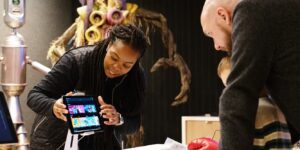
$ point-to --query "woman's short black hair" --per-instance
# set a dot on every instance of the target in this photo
(130, 35)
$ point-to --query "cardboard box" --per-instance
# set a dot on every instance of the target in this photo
(193, 127)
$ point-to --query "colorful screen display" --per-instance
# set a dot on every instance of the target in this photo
(83, 113)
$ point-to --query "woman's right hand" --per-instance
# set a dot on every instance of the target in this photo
(59, 108)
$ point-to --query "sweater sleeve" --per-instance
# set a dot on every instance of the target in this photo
(60, 80)
(251, 63)
(131, 125)
(132, 121)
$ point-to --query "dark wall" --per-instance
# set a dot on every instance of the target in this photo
(160, 119)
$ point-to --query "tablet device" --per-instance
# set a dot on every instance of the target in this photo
(7, 129)
(83, 114)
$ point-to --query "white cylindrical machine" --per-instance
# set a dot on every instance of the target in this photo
(13, 66)
(13, 73)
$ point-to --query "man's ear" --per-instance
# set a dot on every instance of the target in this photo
(223, 16)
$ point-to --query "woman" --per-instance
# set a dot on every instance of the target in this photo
(111, 70)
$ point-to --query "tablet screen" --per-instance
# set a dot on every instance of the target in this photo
(7, 130)
(83, 113)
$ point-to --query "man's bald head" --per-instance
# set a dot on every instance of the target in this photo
(216, 22)
(210, 6)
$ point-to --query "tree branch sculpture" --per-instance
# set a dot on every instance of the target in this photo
(101, 16)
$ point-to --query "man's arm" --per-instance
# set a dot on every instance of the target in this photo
(252, 54)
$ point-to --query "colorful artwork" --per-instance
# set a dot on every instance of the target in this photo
(97, 17)
(76, 109)
(90, 108)
(81, 122)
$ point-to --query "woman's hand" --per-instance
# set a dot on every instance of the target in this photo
(109, 112)
(59, 108)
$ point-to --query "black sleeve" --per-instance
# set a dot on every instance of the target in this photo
(252, 54)
(60, 80)
(131, 125)
(132, 120)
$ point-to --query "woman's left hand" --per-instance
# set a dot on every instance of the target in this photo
(109, 112)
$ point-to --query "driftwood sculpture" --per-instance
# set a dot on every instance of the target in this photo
(106, 14)
(174, 59)
(95, 20)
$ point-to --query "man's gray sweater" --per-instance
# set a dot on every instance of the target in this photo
(265, 52)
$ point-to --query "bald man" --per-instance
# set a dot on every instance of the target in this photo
(263, 37)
